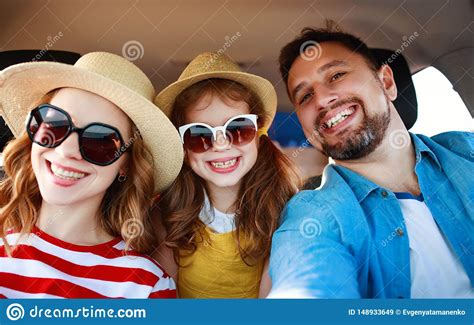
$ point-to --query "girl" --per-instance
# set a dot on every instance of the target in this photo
(74, 216)
(223, 208)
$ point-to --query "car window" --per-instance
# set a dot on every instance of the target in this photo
(440, 108)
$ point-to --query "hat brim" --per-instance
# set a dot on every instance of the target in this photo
(24, 84)
(260, 86)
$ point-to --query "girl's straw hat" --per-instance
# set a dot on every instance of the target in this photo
(107, 75)
(213, 65)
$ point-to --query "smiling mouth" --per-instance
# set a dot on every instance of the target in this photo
(224, 164)
(339, 118)
(65, 174)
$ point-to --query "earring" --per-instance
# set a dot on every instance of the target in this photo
(122, 178)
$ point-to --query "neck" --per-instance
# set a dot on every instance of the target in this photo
(74, 223)
(223, 198)
(391, 165)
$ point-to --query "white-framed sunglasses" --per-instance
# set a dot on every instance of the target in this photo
(239, 130)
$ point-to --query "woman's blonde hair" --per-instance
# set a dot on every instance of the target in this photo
(125, 208)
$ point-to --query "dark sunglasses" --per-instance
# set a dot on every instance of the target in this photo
(99, 144)
(199, 137)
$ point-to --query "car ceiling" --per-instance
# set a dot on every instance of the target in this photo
(171, 33)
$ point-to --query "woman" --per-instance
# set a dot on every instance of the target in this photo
(74, 218)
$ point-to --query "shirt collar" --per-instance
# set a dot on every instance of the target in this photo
(420, 148)
(362, 187)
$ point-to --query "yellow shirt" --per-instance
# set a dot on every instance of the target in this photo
(216, 270)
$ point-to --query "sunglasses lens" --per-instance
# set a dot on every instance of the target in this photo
(241, 131)
(198, 138)
(48, 126)
(100, 144)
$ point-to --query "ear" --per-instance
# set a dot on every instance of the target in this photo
(385, 75)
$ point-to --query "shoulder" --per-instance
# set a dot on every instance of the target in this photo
(148, 272)
(460, 143)
(333, 207)
(453, 138)
(139, 261)
(312, 211)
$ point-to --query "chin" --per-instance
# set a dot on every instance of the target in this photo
(220, 182)
(58, 200)
(67, 196)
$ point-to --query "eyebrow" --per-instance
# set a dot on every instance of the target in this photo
(327, 66)
(334, 63)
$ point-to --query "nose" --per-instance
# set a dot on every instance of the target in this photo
(69, 148)
(325, 96)
(222, 142)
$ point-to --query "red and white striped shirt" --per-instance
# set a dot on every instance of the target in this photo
(42, 266)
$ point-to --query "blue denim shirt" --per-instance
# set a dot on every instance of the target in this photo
(348, 238)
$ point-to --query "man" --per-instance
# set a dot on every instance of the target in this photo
(394, 217)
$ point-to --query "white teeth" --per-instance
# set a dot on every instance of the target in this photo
(65, 174)
(339, 117)
(224, 164)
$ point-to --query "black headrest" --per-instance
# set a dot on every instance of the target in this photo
(406, 103)
(8, 58)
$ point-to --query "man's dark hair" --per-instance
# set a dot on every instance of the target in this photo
(311, 36)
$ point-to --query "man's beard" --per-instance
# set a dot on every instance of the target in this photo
(365, 139)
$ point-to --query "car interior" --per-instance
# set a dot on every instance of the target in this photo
(162, 37)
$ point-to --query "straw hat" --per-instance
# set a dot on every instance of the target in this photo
(212, 65)
(105, 74)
